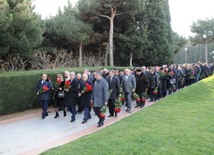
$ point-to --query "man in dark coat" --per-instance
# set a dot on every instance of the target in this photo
(142, 84)
(153, 83)
(79, 80)
(43, 91)
(71, 94)
(85, 96)
(114, 89)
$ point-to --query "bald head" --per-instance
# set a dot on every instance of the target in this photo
(84, 77)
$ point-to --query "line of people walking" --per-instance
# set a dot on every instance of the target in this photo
(100, 89)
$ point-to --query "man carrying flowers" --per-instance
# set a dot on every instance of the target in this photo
(142, 84)
(114, 87)
(43, 91)
(100, 97)
(85, 93)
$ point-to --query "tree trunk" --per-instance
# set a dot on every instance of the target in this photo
(131, 59)
(206, 51)
(106, 54)
(111, 53)
(80, 55)
(111, 32)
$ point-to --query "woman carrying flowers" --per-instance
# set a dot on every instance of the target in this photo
(59, 94)
(43, 91)
(85, 93)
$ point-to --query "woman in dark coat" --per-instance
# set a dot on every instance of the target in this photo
(59, 100)
(85, 96)
(71, 92)
(43, 91)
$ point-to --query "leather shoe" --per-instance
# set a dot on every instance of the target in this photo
(83, 122)
(110, 115)
(115, 114)
(129, 110)
(101, 124)
(72, 120)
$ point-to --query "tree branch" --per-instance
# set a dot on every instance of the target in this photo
(104, 16)
(117, 14)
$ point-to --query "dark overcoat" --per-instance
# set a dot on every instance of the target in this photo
(85, 98)
(142, 83)
(44, 96)
(114, 86)
(71, 95)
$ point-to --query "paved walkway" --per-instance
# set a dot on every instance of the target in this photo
(30, 134)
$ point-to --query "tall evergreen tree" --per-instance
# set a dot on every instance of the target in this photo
(22, 30)
(157, 18)
(67, 31)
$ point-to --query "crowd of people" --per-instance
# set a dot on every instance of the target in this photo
(100, 89)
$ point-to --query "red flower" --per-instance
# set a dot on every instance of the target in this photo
(102, 115)
(67, 84)
(58, 81)
(88, 87)
(143, 100)
(117, 110)
(45, 88)
(137, 99)
(122, 99)
(154, 92)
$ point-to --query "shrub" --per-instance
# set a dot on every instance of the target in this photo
(18, 89)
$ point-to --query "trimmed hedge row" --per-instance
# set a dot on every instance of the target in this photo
(17, 90)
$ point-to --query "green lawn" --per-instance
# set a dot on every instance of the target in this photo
(182, 123)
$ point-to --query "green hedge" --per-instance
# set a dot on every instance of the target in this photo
(17, 90)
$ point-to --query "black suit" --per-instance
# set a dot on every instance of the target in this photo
(71, 98)
(114, 86)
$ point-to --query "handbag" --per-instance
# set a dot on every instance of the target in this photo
(61, 94)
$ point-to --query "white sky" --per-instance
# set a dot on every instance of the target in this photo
(183, 12)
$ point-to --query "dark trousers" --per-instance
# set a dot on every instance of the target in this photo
(111, 106)
(44, 105)
(152, 96)
(140, 103)
(128, 99)
(80, 108)
(72, 109)
(87, 114)
(97, 112)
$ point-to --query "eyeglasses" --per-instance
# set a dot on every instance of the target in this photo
(57, 77)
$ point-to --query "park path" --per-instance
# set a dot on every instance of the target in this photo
(29, 134)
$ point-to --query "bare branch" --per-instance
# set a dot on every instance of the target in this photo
(122, 13)
(104, 16)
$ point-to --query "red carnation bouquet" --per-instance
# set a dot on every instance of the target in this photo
(58, 81)
(143, 100)
(155, 92)
(87, 88)
(67, 84)
(118, 103)
(136, 96)
(103, 111)
(43, 89)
